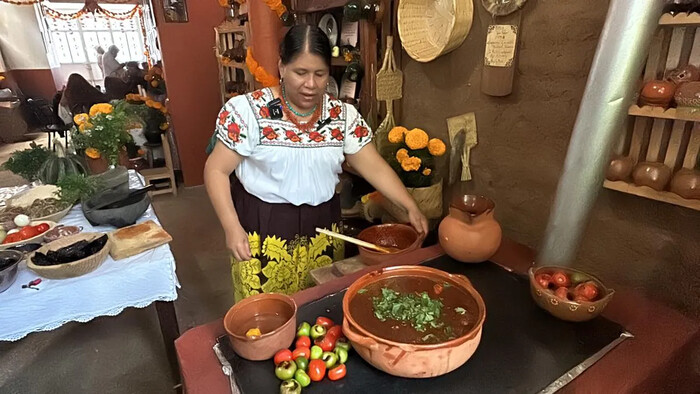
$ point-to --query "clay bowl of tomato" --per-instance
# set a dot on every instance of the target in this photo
(568, 293)
(32, 233)
(272, 319)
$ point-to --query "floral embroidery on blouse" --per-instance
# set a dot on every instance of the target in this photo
(231, 127)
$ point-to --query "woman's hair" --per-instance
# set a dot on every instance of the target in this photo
(305, 38)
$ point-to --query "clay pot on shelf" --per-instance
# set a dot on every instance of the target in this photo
(688, 94)
(687, 73)
(619, 169)
(653, 175)
(98, 166)
(686, 183)
(470, 233)
(657, 93)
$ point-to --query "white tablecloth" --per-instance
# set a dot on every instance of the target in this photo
(136, 281)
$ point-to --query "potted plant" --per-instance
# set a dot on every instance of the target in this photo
(151, 114)
(414, 157)
(101, 136)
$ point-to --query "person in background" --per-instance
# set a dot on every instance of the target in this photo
(100, 54)
(287, 158)
(109, 61)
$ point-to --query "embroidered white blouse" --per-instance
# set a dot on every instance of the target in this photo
(282, 164)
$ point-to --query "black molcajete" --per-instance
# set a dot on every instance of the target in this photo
(523, 348)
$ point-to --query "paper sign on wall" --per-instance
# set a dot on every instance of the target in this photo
(500, 45)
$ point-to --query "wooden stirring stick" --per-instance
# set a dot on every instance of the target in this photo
(354, 241)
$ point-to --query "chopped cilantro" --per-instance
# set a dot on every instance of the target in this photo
(418, 309)
(460, 310)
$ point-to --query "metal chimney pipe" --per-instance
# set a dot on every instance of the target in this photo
(620, 55)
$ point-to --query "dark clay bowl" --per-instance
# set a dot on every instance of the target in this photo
(125, 214)
(399, 236)
(274, 314)
(563, 308)
(9, 260)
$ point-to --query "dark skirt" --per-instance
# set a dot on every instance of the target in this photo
(283, 242)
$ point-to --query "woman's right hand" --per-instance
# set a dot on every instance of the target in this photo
(237, 242)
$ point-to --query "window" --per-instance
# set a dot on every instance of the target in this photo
(74, 41)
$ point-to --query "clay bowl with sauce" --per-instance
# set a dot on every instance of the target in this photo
(275, 315)
(567, 309)
(399, 238)
(397, 348)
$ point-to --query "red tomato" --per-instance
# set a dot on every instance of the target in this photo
(544, 280)
(580, 298)
(301, 352)
(338, 372)
(587, 290)
(42, 228)
(335, 332)
(28, 232)
(317, 370)
(303, 341)
(437, 288)
(562, 293)
(283, 355)
(14, 237)
(561, 279)
(324, 322)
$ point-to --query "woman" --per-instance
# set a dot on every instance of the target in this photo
(286, 171)
(110, 64)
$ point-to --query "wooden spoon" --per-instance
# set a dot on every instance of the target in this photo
(357, 241)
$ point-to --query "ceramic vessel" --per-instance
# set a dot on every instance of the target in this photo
(653, 175)
(98, 166)
(619, 169)
(470, 233)
(657, 93)
(9, 260)
(687, 73)
(246, 312)
(411, 360)
(686, 183)
(688, 94)
(400, 236)
(565, 309)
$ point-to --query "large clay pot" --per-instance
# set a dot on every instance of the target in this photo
(686, 183)
(619, 169)
(406, 359)
(98, 166)
(688, 94)
(651, 174)
(470, 233)
(657, 93)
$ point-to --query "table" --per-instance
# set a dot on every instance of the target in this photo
(137, 281)
(658, 359)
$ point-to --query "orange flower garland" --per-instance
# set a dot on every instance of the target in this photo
(276, 6)
(260, 74)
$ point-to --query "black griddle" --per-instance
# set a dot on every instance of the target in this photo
(523, 349)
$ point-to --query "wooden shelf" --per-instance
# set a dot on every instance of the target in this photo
(235, 65)
(689, 114)
(647, 192)
(682, 19)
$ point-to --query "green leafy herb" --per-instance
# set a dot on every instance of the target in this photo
(449, 332)
(446, 285)
(418, 309)
(460, 310)
(26, 163)
(75, 187)
(430, 336)
(362, 291)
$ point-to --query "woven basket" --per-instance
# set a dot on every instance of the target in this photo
(75, 268)
(389, 78)
(431, 28)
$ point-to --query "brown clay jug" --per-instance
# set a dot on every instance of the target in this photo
(470, 233)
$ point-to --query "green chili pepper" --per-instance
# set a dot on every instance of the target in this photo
(290, 386)
(342, 355)
(343, 344)
(304, 330)
(316, 352)
(302, 377)
(302, 363)
(317, 331)
(285, 370)
(329, 359)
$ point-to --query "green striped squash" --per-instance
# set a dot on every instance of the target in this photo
(59, 165)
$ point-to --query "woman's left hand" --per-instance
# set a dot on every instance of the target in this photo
(418, 220)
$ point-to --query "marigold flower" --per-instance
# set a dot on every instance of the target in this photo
(411, 164)
(417, 139)
(396, 134)
(102, 108)
(427, 171)
(85, 127)
(401, 155)
(436, 147)
(92, 153)
(80, 119)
